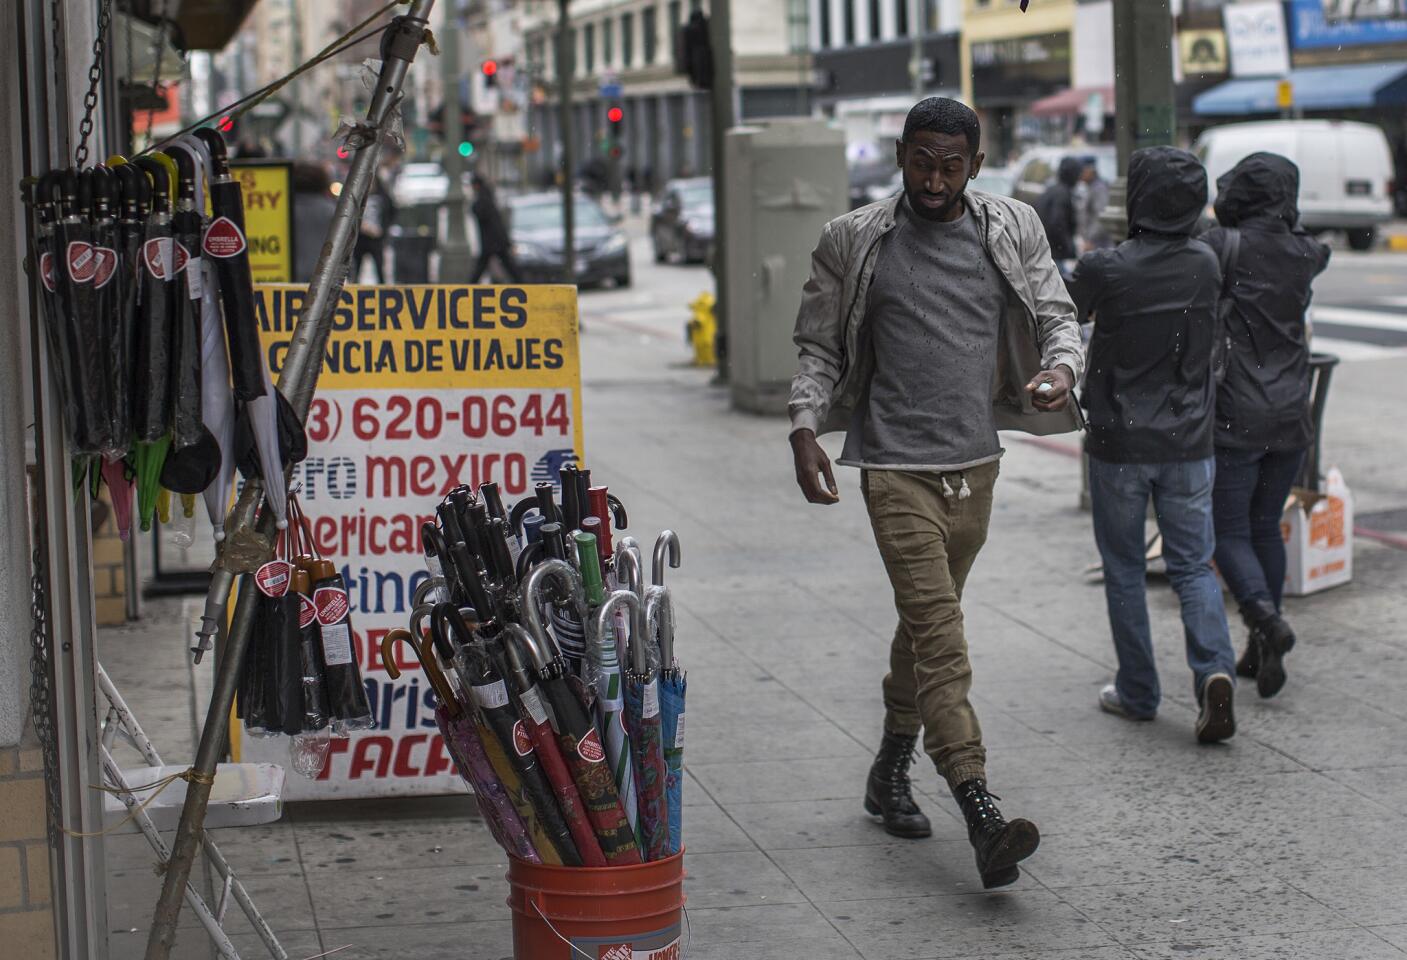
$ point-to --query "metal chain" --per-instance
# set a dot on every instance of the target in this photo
(95, 79)
(39, 704)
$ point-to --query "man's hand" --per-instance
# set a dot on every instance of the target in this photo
(1056, 396)
(811, 464)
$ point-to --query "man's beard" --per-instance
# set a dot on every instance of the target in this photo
(930, 213)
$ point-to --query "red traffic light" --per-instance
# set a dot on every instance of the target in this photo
(490, 67)
(224, 124)
(615, 114)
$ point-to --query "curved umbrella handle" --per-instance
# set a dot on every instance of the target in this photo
(627, 565)
(433, 673)
(666, 544)
(219, 154)
(531, 596)
(530, 555)
(605, 615)
(516, 640)
(618, 514)
(425, 590)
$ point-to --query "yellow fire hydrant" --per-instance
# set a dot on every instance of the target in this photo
(702, 329)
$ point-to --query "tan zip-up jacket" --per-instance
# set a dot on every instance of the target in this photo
(1039, 330)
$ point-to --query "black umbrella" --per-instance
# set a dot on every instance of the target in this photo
(154, 335)
(107, 309)
(78, 265)
(42, 196)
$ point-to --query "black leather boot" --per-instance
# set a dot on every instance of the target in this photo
(999, 845)
(1271, 638)
(887, 792)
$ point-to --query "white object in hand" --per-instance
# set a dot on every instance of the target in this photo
(1046, 387)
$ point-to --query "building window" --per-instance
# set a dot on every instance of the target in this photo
(799, 25)
(651, 29)
(627, 39)
(823, 20)
(849, 23)
(608, 43)
(875, 30)
(695, 6)
(901, 17)
(589, 42)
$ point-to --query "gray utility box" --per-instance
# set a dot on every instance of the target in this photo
(785, 180)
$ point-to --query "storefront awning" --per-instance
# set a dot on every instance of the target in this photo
(1359, 86)
(1072, 100)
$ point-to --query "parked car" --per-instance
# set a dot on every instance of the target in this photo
(681, 224)
(997, 180)
(1036, 169)
(1346, 172)
(418, 183)
(870, 181)
(535, 227)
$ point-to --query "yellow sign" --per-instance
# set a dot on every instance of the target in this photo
(268, 217)
(1285, 94)
(423, 388)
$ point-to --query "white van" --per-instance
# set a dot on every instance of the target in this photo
(1345, 169)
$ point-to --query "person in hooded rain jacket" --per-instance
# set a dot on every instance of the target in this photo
(1058, 210)
(1150, 393)
(1262, 405)
(494, 241)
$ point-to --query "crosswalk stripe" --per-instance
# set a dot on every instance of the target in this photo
(1356, 317)
(1352, 350)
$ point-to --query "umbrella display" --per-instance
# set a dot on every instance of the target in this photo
(153, 337)
(461, 736)
(672, 682)
(106, 303)
(78, 265)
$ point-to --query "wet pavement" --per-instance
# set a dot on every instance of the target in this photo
(1284, 843)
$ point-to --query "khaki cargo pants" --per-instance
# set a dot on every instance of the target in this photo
(929, 541)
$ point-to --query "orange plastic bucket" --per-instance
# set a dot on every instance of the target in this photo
(598, 913)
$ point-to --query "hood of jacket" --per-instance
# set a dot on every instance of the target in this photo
(1167, 191)
(1070, 170)
(1262, 185)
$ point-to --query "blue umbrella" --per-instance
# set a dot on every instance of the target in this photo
(659, 613)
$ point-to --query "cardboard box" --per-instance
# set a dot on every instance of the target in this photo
(1318, 532)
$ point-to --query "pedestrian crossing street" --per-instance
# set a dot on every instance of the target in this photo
(1365, 330)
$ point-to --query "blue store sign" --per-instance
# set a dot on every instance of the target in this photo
(1344, 23)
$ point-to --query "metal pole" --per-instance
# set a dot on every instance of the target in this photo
(916, 31)
(720, 40)
(566, 66)
(298, 382)
(1144, 100)
(455, 262)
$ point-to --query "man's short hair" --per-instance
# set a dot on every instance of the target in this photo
(942, 115)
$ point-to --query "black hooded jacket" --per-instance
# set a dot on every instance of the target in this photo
(1148, 385)
(1056, 208)
(1263, 403)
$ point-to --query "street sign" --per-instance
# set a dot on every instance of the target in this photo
(611, 90)
(423, 388)
(1285, 94)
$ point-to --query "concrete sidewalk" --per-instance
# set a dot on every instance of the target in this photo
(1283, 843)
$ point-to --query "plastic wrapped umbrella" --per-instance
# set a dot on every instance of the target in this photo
(643, 724)
(576, 731)
(457, 726)
(77, 266)
(265, 409)
(477, 664)
(216, 398)
(659, 615)
(42, 196)
(518, 646)
(610, 704)
(151, 408)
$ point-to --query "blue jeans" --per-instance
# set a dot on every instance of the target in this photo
(1251, 487)
(1182, 502)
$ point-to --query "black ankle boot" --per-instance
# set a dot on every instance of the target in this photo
(999, 845)
(1271, 638)
(887, 792)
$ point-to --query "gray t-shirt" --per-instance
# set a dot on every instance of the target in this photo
(934, 316)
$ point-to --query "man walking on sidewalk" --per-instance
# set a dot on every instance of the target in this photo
(930, 321)
(1151, 397)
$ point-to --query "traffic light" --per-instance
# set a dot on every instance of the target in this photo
(615, 115)
(696, 52)
(466, 149)
(615, 119)
(490, 71)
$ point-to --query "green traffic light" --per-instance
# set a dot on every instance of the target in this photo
(466, 149)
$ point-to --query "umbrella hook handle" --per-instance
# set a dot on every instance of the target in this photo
(666, 544)
(557, 572)
(423, 653)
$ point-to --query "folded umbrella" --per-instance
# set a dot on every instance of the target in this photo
(659, 615)
(518, 647)
(225, 241)
(461, 736)
(610, 706)
(642, 724)
(154, 336)
(42, 195)
(106, 304)
(478, 665)
(570, 717)
(78, 265)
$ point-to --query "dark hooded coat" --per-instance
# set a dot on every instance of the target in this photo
(1149, 387)
(1056, 208)
(1263, 402)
